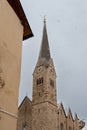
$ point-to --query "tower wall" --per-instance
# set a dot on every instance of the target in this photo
(11, 34)
(45, 91)
(44, 117)
(44, 104)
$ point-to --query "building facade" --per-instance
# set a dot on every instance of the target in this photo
(43, 112)
(14, 28)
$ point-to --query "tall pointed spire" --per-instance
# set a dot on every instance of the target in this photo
(45, 50)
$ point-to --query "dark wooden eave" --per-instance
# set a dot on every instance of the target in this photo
(17, 7)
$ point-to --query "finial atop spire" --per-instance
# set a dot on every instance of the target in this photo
(44, 18)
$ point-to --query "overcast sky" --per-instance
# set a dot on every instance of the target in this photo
(67, 34)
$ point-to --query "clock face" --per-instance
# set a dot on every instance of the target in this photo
(39, 69)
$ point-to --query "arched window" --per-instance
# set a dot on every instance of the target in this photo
(51, 82)
(70, 128)
(61, 126)
(39, 81)
(25, 127)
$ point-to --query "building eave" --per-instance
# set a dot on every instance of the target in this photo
(17, 7)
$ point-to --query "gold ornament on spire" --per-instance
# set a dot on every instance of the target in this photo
(44, 18)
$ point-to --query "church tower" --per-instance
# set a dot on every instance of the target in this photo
(44, 103)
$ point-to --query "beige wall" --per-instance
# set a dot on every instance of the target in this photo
(11, 34)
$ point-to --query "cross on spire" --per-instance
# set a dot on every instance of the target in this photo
(44, 18)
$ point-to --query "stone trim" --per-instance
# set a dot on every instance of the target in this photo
(8, 113)
(44, 102)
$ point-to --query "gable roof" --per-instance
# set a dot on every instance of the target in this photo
(17, 7)
(26, 98)
(76, 117)
(62, 107)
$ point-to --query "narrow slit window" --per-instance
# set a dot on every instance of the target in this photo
(51, 82)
